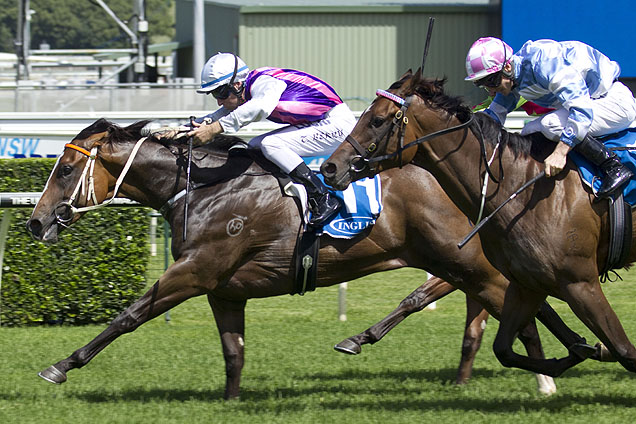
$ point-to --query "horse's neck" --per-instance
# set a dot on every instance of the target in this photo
(153, 176)
(457, 162)
(158, 175)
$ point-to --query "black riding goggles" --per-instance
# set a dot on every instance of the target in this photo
(222, 92)
(491, 81)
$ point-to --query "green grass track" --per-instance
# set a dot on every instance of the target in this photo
(174, 373)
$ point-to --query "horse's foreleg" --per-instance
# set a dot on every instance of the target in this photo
(571, 340)
(590, 305)
(520, 306)
(164, 295)
(230, 320)
(529, 336)
(435, 288)
(476, 319)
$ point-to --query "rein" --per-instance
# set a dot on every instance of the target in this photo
(87, 179)
(367, 156)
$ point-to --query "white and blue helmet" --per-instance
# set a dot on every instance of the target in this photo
(222, 69)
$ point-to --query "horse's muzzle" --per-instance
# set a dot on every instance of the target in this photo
(41, 232)
(334, 177)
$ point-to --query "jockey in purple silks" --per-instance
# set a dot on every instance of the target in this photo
(317, 119)
(578, 81)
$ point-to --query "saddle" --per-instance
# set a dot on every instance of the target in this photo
(362, 205)
(623, 143)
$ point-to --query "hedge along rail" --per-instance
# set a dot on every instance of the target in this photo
(28, 200)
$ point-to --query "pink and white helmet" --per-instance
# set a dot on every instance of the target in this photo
(486, 56)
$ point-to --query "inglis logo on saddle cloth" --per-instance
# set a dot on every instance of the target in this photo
(362, 204)
(351, 225)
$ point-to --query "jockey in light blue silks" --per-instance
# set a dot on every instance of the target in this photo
(317, 119)
(578, 81)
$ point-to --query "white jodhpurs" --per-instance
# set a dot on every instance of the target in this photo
(286, 145)
(612, 113)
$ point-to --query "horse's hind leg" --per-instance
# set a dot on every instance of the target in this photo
(164, 295)
(519, 308)
(476, 319)
(435, 288)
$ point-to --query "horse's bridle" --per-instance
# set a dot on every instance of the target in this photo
(367, 156)
(86, 184)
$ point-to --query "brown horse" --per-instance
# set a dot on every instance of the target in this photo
(552, 239)
(255, 260)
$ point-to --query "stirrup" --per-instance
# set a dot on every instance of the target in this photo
(330, 206)
(611, 183)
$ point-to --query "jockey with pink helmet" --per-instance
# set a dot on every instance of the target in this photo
(487, 57)
(578, 81)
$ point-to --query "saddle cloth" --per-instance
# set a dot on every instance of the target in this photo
(362, 203)
(589, 172)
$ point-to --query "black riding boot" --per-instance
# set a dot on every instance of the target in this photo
(322, 204)
(613, 173)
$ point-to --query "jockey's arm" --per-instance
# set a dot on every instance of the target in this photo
(502, 105)
(572, 92)
(265, 93)
(212, 117)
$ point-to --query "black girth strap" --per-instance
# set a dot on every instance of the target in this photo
(620, 236)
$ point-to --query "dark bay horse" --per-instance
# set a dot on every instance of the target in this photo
(552, 239)
(230, 265)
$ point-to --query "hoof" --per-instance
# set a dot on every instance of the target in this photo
(603, 354)
(582, 350)
(545, 385)
(348, 346)
(53, 375)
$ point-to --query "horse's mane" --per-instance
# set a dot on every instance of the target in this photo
(137, 130)
(432, 92)
(116, 132)
(535, 144)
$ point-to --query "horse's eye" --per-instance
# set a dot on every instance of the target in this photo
(377, 121)
(65, 171)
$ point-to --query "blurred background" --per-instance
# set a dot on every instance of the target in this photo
(64, 64)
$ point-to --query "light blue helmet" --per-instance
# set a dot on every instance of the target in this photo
(222, 69)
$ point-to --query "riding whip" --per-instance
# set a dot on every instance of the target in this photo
(481, 223)
(431, 21)
(187, 193)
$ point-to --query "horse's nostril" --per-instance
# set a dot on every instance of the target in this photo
(34, 226)
(328, 168)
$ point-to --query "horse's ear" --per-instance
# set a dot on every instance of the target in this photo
(406, 75)
(414, 81)
(417, 77)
